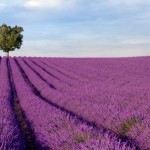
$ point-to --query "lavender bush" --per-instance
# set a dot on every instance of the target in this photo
(55, 128)
(76, 104)
(10, 134)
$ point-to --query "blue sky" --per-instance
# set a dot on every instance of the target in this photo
(80, 28)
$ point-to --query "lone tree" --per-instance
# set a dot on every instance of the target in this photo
(10, 38)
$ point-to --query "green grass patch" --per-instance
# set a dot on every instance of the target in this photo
(80, 138)
(127, 125)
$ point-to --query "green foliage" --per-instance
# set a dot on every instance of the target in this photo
(127, 125)
(80, 138)
(10, 37)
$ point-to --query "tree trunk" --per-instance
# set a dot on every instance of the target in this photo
(7, 54)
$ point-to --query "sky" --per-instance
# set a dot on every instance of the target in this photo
(80, 28)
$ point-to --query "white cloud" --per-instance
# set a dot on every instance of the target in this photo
(63, 48)
(3, 6)
(10, 2)
(32, 4)
(136, 41)
(47, 3)
(126, 3)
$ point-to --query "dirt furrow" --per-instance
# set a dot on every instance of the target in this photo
(51, 85)
(50, 73)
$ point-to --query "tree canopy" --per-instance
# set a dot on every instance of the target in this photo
(10, 38)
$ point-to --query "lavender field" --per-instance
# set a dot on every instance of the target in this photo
(74, 103)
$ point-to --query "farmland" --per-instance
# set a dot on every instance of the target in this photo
(74, 103)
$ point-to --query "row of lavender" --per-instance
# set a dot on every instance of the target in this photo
(53, 127)
(125, 103)
(10, 135)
